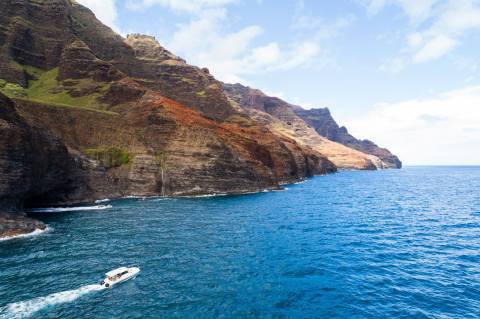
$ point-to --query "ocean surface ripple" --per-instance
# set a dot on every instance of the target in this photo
(388, 244)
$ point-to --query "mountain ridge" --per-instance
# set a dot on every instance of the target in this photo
(320, 120)
(122, 117)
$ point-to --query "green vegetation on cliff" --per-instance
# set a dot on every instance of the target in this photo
(108, 156)
(11, 89)
(44, 87)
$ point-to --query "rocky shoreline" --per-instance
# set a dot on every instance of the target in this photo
(19, 224)
(87, 114)
(16, 224)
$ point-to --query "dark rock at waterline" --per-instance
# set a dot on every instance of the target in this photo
(33, 162)
(102, 116)
(14, 224)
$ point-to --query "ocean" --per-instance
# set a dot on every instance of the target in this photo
(356, 244)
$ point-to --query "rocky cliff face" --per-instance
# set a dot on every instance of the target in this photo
(36, 33)
(91, 115)
(160, 70)
(290, 120)
(107, 100)
(32, 163)
(322, 121)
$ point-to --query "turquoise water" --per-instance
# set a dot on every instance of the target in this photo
(388, 244)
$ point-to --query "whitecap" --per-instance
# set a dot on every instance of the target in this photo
(300, 182)
(98, 201)
(68, 209)
(133, 197)
(34, 233)
(205, 195)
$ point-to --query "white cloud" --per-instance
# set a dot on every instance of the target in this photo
(267, 54)
(205, 40)
(416, 10)
(192, 6)
(301, 55)
(394, 66)
(466, 64)
(434, 49)
(373, 6)
(438, 26)
(303, 20)
(440, 130)
(414, 39)
(445, 33)
(104, 10)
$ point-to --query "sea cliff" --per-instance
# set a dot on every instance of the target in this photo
(86, 114)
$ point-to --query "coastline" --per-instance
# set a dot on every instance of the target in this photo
(26, 235)
(17, 225)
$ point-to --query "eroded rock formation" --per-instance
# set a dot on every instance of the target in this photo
(91, 115)
(322, 121)
(344, 151)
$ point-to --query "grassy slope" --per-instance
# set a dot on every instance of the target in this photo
(45, 88)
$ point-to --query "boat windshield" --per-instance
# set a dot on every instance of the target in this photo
(114, 275)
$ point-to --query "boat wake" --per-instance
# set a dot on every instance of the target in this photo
(68, 209)
(25, 309)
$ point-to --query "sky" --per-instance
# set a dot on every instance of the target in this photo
(403, 73)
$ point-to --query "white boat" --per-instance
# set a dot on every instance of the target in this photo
(119, 275)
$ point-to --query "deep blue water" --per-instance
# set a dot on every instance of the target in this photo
(388, 244)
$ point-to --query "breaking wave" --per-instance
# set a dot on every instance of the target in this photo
(205, 195)
(98, 201)
(68, 209)
(25, 309)
(34, 233)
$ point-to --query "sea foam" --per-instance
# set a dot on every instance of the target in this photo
(99, 201)
(68, 209)
(24, 309)
(34, 233)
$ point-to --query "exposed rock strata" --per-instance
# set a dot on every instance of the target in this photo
(197, 155)
(33, 162)
(114, 117)
(78, 62)
(283, 118)
(322, 121)
(160, 70)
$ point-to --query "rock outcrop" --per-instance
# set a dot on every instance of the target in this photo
(322, 121)
(15, 224)
(78, 62)
(160, 70)
(91, 115)
(33, 164)
(32, 33)
(284, 118)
